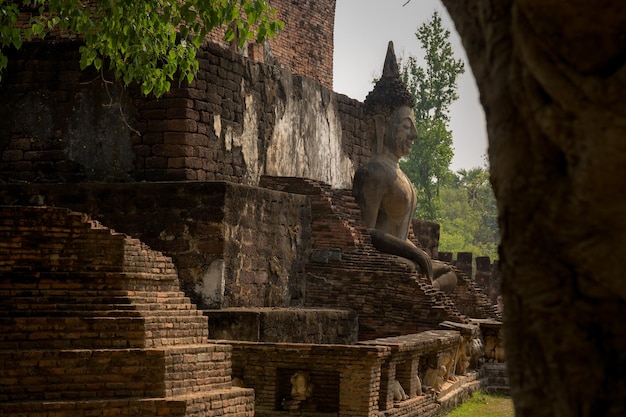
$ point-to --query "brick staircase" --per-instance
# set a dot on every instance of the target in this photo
(93, 323)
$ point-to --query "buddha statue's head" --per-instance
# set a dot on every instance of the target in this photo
(389, 108)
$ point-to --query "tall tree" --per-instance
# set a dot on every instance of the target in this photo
(149, 42)
(434, 89)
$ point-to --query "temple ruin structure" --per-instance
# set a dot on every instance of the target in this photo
(201, 254)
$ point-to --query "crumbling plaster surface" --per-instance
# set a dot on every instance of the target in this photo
(238, 120)
(306, 141)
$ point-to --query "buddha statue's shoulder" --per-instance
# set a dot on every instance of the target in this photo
(373, 174)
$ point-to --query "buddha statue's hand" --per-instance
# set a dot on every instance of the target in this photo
(422, 259)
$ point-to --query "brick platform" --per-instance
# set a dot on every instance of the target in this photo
(93, 322)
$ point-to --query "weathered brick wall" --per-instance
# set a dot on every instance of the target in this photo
(356, 141)
(488, 277)
(57, 240)
(470, 298)
(94, 323)
(306, 45)
(486, 274)
(346, 378)
(284, 325)
(57, 124)
(233, 245)
(236, 121)
(354, 380)
(412, 355)
(427, 236)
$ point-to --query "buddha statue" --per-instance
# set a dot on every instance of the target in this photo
(382, 190)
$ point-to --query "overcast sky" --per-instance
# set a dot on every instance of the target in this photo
(362, 30)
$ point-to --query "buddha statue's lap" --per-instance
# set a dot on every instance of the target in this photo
(384, 193)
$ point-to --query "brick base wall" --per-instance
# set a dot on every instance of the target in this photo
(236, 121)
(93, 320)
(233, 245)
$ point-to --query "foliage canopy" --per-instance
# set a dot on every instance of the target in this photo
(463, 202)
(434, 89)
(469, 216)
(149, 42)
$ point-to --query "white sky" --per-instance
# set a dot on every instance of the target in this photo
(362, 30)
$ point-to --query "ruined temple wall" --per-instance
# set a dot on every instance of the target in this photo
(233, 245)
(305, 46)
(346, 379)
(236, 121)
(486, 274)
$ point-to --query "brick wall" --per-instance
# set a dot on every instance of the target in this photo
(354, 380)
(236, 121)
(278, 325)
(486, 274)
(240, 246)
(346, 378)
(233, 245)
(427, 236)
(469, 297)
(93, 322)
(307, 43)
(488, 277)
(305, 46)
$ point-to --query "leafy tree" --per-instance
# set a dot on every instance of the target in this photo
(427, 165)
(147, 41)
(469, 214)
(434, 89)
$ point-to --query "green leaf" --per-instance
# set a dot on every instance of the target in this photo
(38, 29)
(144, 42)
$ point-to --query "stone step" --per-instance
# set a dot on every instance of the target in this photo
(495, 378)
(19, 290)
(55, 375)
(105, 296)
(500, 381)
(28, 333)
(494, 371)
(136, 407)
(47, 281)
(70, 310)
(232, 402)
(460, 381)
(24, 308)
(100, 333)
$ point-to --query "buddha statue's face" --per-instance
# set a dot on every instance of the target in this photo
(401, 132)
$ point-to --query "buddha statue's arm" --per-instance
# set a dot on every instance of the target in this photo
(368, 190)
(387, 243)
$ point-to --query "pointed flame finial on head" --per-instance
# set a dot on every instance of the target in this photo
(390, 68)
(390, 92)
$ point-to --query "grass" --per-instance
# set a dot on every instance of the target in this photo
(484, 405)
